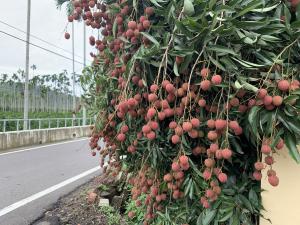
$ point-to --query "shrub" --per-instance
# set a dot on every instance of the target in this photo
(207, 89)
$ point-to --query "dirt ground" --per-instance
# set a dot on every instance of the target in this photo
(74, 208)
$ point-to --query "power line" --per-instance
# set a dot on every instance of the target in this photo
(45, 49)
(38, 38)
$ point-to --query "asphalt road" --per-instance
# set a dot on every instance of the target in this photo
(34, 179)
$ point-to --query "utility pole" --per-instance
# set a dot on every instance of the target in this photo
(73, 65)
(84, 64)
(26, 92)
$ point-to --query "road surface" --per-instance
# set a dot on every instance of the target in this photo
(33, 179)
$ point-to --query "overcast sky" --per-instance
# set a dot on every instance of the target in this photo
(49, 24)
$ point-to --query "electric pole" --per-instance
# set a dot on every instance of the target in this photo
(84, 65)
(73, 65)
(26, 92)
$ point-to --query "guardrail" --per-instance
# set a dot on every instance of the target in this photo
(35, 124)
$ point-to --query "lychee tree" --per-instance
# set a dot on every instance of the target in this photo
(198, 95)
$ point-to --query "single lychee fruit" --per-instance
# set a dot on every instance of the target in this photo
(209, 162)
(273, 180)
(183, 160)
(178, 130)
(170, 88)
(205, 85)
(259, 166)
(168, 177)
(226, 153)
(121, 137)
(67, 35)
(195, 122)
(277, 100)
(257, 175)
(132, 25)
(151, 113)
(154, 87)
(172, 125)
(266, 149)
(220, 124)
(234, 125)
(280, 144)
(216, 79)
(262, 93)
(202, 103)
(206, 174)
(204, 72)
(212, 135)
(149, 11)
(283, 85)
(269, 160)
(222, 177)
(211, 124)
(187, 126)
(175, 167)
(124, 129)
(175, 139)
(146, 129)
(234, 102)
(268, 100)
(154, 125)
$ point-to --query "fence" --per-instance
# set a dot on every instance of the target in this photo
(17, 124)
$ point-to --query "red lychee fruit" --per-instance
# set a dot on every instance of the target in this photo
(234, 102)
(205, 85)
(226, 153)
(273, 180)
(152, 97)
(121, 137)
(222, 177)
(175, 139)
(175, 167)
(280, 144)
(195, 122)
(187, 126)
(211, 124)
(131, 214)
(146, 24)
(67, 35)
(146, 129)
(151, 135)
(213, 147)
(234, 125)
(259, 166)
(132, 25)
(154, 125)
(257, 175)
(202, 103)
(154, 87)
(216, 79)
(283, 85)
(212, 135)
(178, 130)
(151, 113)
(268, 100)
(220, 124)
(209, 162)
(149, 11)
(124, 129)
(277, 100)
(204, 72)
(172, 125)
(266, 149)
(168, 177)
(206, 174)
(269, 160)
(262, 93)
(170, 88)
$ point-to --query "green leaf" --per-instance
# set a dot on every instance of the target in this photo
(252, 119)
(221, 49)
(176, 69)
(251, 6)
(188, 7)
(253, 197)
(208, 217)
(150, 38)
(266, 9)
(291, 144)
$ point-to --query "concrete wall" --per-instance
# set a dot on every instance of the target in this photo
(282, 202)
(17, 139)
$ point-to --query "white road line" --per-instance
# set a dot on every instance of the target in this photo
(44, 146)
(45, 192)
